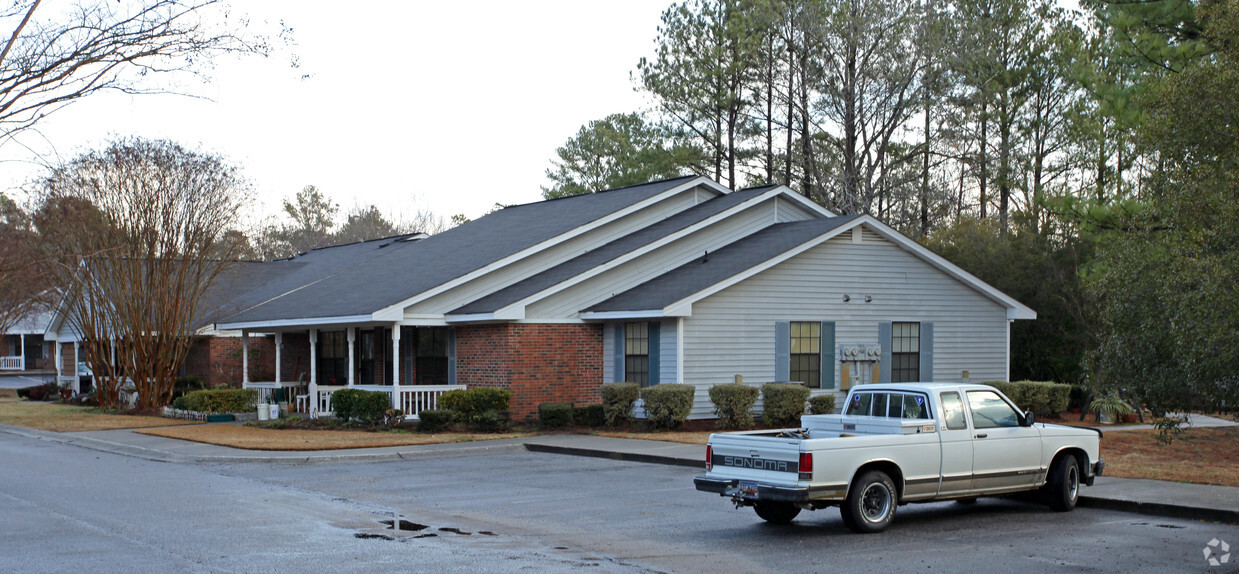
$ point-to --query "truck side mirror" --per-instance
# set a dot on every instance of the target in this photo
(1027, 419)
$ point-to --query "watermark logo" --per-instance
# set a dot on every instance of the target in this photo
(1217, 552)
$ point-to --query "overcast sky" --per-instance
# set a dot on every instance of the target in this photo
(445, 106)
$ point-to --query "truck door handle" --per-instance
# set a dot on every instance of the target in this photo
(982, 435)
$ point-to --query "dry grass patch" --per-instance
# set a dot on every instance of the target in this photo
(1201, 456)
(59, 417)
(685, 437)
(255, 438)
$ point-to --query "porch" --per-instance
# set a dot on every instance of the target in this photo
(368, 359)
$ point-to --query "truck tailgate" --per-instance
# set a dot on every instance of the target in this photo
(764, 458)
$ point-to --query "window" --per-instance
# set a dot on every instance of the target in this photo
(806, 353)
(432, 356)
(890, 405)
(637, 353)
(953, 410)
(905, 352)
(990, 411)
(332, 358)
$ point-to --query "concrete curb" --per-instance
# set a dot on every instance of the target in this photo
(622, 456)
(1161, 509)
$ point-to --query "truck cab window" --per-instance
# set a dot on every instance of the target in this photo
(953, 410)
(990, 411)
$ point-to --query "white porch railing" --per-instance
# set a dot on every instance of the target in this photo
(17, 363)
(413, 398)
(266, 389)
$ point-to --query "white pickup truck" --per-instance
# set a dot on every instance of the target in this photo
(900, 443)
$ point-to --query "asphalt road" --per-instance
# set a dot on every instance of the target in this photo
(70, 509)
(23, 381)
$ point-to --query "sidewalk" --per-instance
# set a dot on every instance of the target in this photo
(1190, 501)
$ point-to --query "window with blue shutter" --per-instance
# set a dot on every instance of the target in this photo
(782, 351)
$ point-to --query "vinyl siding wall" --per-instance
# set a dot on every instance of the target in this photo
(541, 261)
(732, 332)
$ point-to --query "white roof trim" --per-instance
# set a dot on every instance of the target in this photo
(690, 184)
(520, 305)
(306, 322)
(806, 202)
(605, 315)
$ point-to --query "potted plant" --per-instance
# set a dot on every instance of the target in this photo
(1109, 408)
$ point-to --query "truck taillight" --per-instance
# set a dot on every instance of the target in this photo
(806, 466)
(709, 458)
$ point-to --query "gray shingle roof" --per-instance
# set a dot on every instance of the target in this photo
(728, 261)
(608, 252)
(393, 275)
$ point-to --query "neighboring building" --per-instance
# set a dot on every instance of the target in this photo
(22, 347)
(676, 281)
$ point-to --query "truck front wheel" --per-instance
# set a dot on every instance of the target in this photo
(1062, 490)
(776, 512)
(871, 503)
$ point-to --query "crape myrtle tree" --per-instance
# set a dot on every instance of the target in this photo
(141, 231)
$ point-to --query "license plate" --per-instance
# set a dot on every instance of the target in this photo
(745, 489)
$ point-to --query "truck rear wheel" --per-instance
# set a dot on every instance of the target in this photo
(776, 512)
(1062, 490)
(871, 503)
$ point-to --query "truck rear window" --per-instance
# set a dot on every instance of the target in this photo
(889, 404)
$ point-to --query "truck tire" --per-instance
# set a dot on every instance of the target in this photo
(1062, 490)
(871, 503)
(776, 512)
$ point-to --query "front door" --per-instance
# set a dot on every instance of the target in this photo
(1005, 455)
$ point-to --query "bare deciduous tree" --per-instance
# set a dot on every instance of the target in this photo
(54, 56)
(139, 259)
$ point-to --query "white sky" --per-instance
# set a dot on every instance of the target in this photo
(445, 106)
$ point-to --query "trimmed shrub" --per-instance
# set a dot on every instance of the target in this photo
(822, 404)
(666, 406)
(435, 420)
(179, 403)
(617, 400)
(46, 391)
(1041, 397)
(555, 415)
(783, 403)
(366, 406)
(589, 415)
(188, 384)
(221, 400)
(492, 421)
(470, 404)
(733, 403)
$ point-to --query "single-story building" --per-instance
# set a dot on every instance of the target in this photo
(675, 281)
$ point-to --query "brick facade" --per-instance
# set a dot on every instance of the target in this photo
(218, 360)
(539, 363)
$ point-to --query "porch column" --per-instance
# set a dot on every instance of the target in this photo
(245, 357)
(313, 373)
(395, 366)
(352, 336)
(21, 348)
(60, 367)
(77, 379)
(279, 343)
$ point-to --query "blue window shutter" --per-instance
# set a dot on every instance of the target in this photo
(451, 355)
(828, 354)
(927, 352)
(782, 351)
(884, 340)
(618, 353)
(655, 335)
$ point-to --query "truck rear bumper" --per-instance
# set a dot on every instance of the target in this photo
(729, 487)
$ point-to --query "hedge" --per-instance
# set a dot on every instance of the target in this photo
(555, 415)
(221, 400)
(1041, 397)
(822, 404)
(367, 406)
(783, 403)
(589, 415)
(471, 404)
(667, 406)
(435, 420)
(617, 401)
(733, 403)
